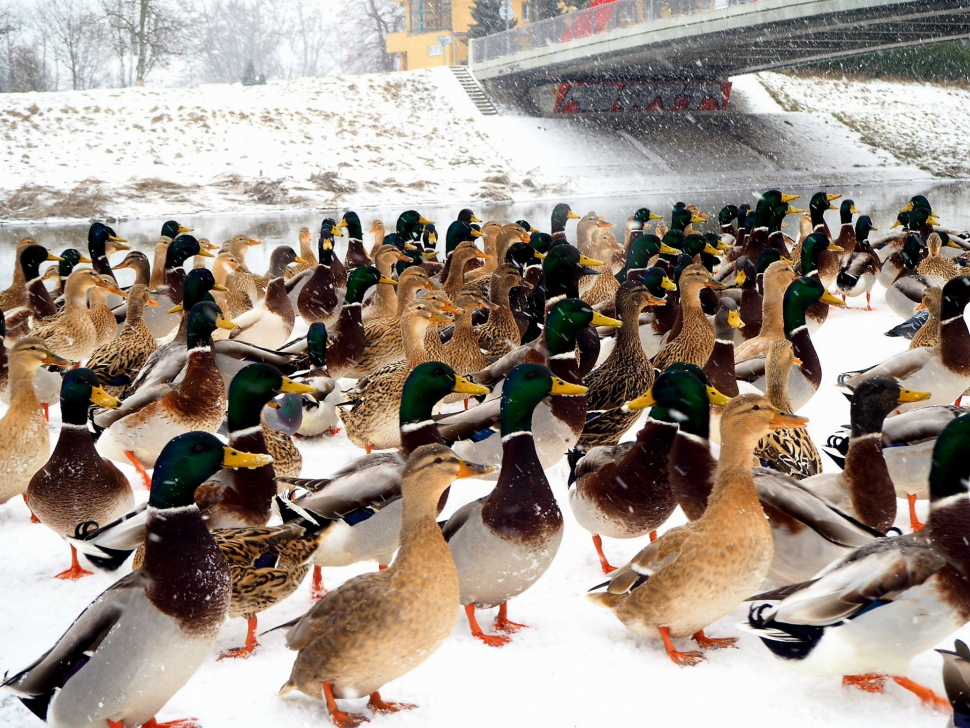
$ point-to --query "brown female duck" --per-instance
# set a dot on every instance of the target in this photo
(73, 335)
(118, 362)
(694, 343)
(500, 334)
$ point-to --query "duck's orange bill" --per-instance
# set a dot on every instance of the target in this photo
(786, 421)
(474, 470)
(912, 395)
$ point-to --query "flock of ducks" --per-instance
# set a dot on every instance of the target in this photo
(544, 350)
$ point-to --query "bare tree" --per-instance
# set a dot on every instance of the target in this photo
(311, 39)
(144, 31)
(78, 37)
(232, 33)
(368, 24)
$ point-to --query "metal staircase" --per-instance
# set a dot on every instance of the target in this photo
(474, 91)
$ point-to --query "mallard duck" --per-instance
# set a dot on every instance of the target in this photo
(956, 680)
(77, 485)
(462, 351)
(317, 299)
(366, 493)
(936, 268)
(503, 543)
(791, 452)
(237, 499)
(155, 414)
(181, 249)
(558, 422)
(271, 323)
(904, 286)
(420, 587)
(379, 230)
(858, 269)
(864, 489)
(806, 377)
(872, 611)
(846, 239)
(347, 336)
(818, 205)
(694, 343)
(496, 246)
(306, 255)
(356, 255)
(699, 572)
(72, 335)
(625, 375)
(942, 370)
(103, 318)
(500, 334)
(40, 305)
(163, 619)
(597, 289)
(813, 254)
(720, 366)
(453, 276)
(16, 295)
(385, 302)
(24, 443)
(137, 262)
(118, 362)
(70, 258)
(561, 214)
(103, 241)
(623, 491)
(370, 422)
(320, 406)
(751, 309)
(929, 332)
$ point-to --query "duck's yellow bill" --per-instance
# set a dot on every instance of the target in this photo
(831, 197)
(697, 218)
(711, 250)
(463, 386)
(716, 398)
(176, 308)
(788, 198)
(792, 210)
(223, 323)
(477, 233)
(233, 458)
(933, 219)
(540, 256)
(831, 300)
(854, 210)
(734, 319)
(741, 278)
(641, 402)
(429, 254)
(950, 243)
(721, 245)
(591, 262)
(786, 421)
(572, 216)
(295, 387)
(601, 320)
(668, 284)
(909, 206)
(183, 229)
(342, 223)
(299, 260)
(103, 399)
(668, 250)
(560, 386)
(911, 395)
(474, 470)
(473, 219)
(205, 254)
(410, 246)
(85, 259)
(219, 287)
(423, 221)
(836, 248)
(894, 225)
(388, 281)
(51, 256)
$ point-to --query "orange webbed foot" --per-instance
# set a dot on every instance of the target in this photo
(914, 521)
(927, 696)
(492, 640)
(504, 624)
(183, 723)
(379, 705)
(682, 659)
(340, 718)
(870, 682)
(714, 643)
(75, 572)
(334, 431)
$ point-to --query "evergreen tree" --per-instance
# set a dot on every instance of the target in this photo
(486, 19)
(544, 9)
(250, 77)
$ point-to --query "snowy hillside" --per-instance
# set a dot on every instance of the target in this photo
(415, 138)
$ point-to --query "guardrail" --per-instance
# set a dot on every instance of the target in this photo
(586, 23)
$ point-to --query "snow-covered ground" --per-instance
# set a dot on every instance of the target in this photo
(415, 138)
(575, 666)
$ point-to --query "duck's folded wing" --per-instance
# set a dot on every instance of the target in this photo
(503, 366)
(877, 572)
(460, 517)
(371, 481)
(110, 545)
(750, 370)
(956, 678)
(795, 500)
(137, 401)
(899, 367)
(247, 319)
(163, 365)
(463, 425)
(38, 682)
(252, 353)
(657, 555)
(918, 425)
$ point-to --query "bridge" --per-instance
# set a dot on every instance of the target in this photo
(647, 55)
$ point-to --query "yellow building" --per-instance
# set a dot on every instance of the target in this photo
(436, 32)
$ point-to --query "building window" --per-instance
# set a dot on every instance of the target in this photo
(430, 15)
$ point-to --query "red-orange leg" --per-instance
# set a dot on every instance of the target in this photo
(914, 521)
(145, 478)
(339, 717)
(502, 622)
(683, 659)
(251, 643)
(492, 640)
(604, 563)
(75, 572)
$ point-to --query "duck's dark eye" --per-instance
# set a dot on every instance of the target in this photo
(198, 448)
(438, 461)
(439, 372)
(532, 375)
(756, 407)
